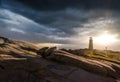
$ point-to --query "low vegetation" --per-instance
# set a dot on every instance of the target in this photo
(109, 55)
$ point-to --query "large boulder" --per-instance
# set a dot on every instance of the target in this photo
(46, 51)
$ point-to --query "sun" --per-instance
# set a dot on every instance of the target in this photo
(105, 39)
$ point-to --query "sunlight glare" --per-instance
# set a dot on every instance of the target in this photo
(105, 39)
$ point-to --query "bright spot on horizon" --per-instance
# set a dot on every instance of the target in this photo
(105, 39)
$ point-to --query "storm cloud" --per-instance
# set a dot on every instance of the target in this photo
(60, 4)
(66, 22)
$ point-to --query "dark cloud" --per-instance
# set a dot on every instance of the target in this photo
(22, 28)
(68, 22)
(61, 4)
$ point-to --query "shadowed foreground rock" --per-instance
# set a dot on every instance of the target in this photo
(22, 62)
(104, 68)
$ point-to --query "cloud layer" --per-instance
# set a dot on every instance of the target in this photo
(61, 4)
(69, 23)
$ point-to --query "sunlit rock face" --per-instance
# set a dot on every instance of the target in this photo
(16, 48)
(1, 41)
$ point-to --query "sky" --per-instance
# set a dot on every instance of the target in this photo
(61, 23)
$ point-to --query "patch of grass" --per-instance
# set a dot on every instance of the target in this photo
(114, 55)
(103, 58)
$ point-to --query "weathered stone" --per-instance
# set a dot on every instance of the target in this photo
(90, 65)
(1, 41)
(42, 51)
(50, 52)
(46, 51)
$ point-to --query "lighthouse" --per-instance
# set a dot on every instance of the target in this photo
(90, 43)
(90, 46)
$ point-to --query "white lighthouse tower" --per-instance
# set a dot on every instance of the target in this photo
(91, 45)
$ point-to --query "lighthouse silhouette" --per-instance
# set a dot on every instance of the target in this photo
(91, 45)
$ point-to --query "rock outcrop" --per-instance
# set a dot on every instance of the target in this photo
(16, 48)
(104, 68)
(24, 62)
(46, 51)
